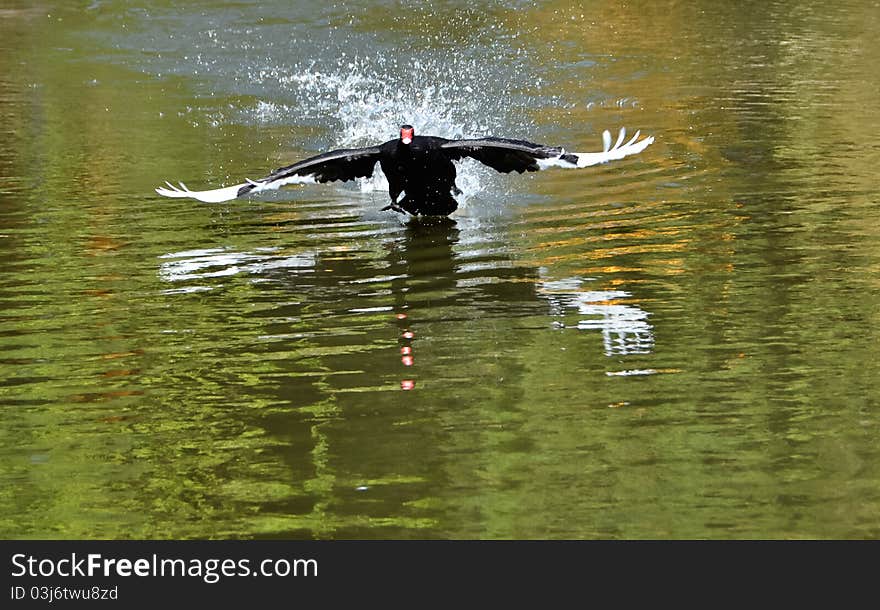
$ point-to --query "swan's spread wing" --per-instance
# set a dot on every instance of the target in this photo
(343, 165)
(507, 156)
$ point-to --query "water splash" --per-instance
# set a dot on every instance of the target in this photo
(364, 101)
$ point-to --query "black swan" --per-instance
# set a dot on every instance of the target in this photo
(420, 167)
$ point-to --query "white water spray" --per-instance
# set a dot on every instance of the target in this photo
(365, 101)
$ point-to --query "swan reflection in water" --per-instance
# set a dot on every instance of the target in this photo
(426, 264)
(190, 265)
(625, 328)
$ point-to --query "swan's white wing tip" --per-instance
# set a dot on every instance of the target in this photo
(620, 137)
(618, 151)
(213, 196)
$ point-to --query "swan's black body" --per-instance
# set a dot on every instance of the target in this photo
(423, 172)
(419, 167)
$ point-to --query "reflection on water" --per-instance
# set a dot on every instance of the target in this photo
(302, 365)
(218, 262)
(625, 328)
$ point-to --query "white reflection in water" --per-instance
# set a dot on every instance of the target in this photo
(625, 328)
(218, 262)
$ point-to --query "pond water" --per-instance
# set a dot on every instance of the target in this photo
(681, 344)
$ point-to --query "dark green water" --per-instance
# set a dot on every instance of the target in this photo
(683, 344)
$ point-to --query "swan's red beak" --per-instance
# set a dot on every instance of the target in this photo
(406, 134)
